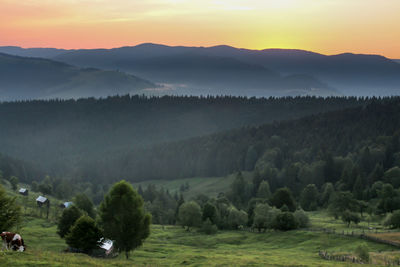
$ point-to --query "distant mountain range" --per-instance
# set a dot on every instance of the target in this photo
(228, 70)
(32, 78)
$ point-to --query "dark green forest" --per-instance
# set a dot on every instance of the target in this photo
(75, 138)
(315, 149)
(346, 160)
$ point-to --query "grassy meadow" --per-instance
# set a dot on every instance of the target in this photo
(209, 186)
(173, 246)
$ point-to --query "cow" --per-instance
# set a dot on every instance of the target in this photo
(12, 241)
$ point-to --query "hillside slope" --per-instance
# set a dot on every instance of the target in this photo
(28, 78)
(349, 74)
(74, 136)
(192, 72)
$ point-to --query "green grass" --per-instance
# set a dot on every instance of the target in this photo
(173, 246)
(209, 186)
(322, 219)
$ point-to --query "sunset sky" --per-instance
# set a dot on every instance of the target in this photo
(325, 26)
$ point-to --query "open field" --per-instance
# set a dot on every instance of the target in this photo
(172, 246)
(209, 186)
(322, 220)
(392, 237)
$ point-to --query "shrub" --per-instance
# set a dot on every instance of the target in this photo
(208, 228)
(392, 220)
(302, 218)
(283, 196)
(309, 197)
(387, 221)
(285, 221)
(264, 216)
(84, 235)
(237, 218)
(362, 253)
(190, 214)
(67, 220)
(10, 212)
(349, 217)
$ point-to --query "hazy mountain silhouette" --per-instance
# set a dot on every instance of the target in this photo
(349, 73)
(24, 78)
(32, 52)
(185, 71)
(197, 72)
(228, 70)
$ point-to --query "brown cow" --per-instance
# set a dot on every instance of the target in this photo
(12, 241)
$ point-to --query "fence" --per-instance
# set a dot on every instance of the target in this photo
(363, 234)
(331, 257)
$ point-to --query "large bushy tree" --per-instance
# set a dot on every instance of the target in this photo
(283, 196)
(285, 221)
(123, 218)
(309, 197)
(10, 212)
(84, 235)
(85, 204)
(67, 220)
(190, 214)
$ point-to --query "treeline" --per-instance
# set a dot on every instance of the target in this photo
(330, 147)
(232, 210)
(12, 167)
(72, 138)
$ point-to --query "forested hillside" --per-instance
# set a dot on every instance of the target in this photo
(355, 145)
(76, 137)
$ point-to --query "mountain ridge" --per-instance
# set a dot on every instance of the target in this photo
(339, 74)
(27, 78)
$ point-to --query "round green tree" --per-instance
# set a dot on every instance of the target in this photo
(84, 235)
(309, 197)
(67, 220)
(283, 196)
(14, 182)
(190, 214)
(285, 221)
(85, 204)
(10, 212)
(123, 218)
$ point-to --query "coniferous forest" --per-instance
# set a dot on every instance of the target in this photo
(349, 144)
(339, 155)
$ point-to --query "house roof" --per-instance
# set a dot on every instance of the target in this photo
(41, 199)
(106, 244)
(23, 190)
(67, 204)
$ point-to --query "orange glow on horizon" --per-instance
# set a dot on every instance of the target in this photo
(324, 26)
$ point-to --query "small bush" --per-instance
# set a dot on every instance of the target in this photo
(84, 235)
(349, 217)
(362, 253)
(67, 220)
(208, 228)
(396, 219)
(302, 218)
(387, 221)
(285, 221)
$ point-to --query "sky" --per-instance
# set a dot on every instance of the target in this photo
(324, 26)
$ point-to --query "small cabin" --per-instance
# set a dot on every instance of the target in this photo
(105, 249)
(42, 201)
(66, 205)
(108, 246)
(23, 191)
